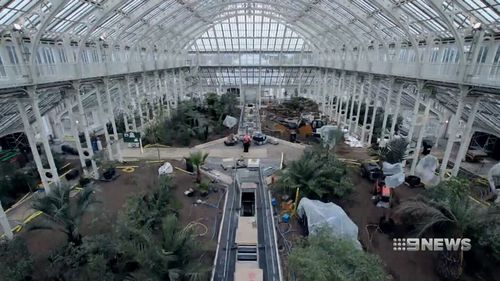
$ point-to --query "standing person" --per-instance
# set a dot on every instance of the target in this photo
(206, 132)
(246, 142)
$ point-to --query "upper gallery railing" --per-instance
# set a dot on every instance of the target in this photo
(54, 63)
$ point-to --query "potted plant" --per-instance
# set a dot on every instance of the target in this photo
(84, 181)
(197, 159)
(109, 170)
(203, 188)
(189, 165)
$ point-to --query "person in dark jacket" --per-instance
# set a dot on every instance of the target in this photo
(246, 142)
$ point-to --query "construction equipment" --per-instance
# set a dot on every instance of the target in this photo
(371, 171)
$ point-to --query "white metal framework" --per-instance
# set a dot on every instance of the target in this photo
(429, 59)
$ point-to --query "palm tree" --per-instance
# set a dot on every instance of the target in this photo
(451, 217)
(153, 136)
(394, 152)
(197, 158)
(172, 254)
(148, 210)
(317, 175)
(64, 213)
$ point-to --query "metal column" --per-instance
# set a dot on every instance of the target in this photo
(30, 134)
(354, 96)
(323, 97)
(124, 107)
(347, 95)
(464, 90)
(167, 96)
(74, 133)
(87, 152)
(104, 122)
(414, 116)
(175, 91)
(181, 85)
(365, 119)
(145, 94)
(387, 107)
(43, 136)
(395, 115)
(338, 97)
(139, 104)
(361, 97)
(4, 222)
(330, 98)
(368, 99)
(374, 113)
(159, 95)
(111, 117)
(421, 133)
(134, 107)
(466, 137)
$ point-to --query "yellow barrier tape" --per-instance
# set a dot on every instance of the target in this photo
(61, 176)
(155, 145)
(36, 214)
(66, 165)
(19, 202)
(124, 167)
(33, 216)
(182, 170)
(128, 169)
(155, 161)
(17, 228)
(486, 204)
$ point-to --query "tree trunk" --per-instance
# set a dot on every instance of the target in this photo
(74, 237)
(198, 174)
(449, 264)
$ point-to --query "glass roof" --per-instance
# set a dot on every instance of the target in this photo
(322, 23)
(250, 33)
(252, 76)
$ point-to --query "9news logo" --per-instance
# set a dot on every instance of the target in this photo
(431, 244)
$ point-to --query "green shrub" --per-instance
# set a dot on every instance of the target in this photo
(14, 184)
(322, 257)
(147, 210)
(16, 263)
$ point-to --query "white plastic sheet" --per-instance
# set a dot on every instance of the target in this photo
(426, 169)
(395, 180)
(165, 169)
(392, 169)
(494, 178)
(352, 141)
(230, 122)
(327, 134)
(320, 214)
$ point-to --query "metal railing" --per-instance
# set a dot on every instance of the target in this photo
(478, 73)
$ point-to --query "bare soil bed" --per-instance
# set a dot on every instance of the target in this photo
(112, 197)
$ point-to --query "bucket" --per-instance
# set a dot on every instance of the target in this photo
(274, 202)
(285, 218)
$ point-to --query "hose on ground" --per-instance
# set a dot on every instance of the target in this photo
(197, 223)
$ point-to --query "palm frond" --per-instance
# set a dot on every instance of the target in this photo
(426, 214)
(58, 207)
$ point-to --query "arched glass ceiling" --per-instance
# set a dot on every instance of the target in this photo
(336, 22)
(264, 76)
(250, 33)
